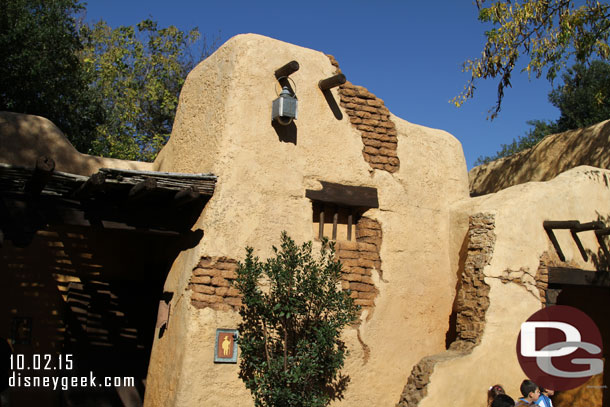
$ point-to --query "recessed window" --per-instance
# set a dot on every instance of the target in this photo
(337, 208)
(333, 221)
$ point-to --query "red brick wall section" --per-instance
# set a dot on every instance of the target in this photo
(359, 258)
(211, 279)
(211, 284)
(368, 114)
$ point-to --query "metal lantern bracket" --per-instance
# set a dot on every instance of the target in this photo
(292, 87)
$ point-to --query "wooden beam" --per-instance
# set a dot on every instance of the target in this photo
(321, 225)
(141, 190)
(287, 70)
(345, 195)
(571, 276)
(41, 176)
(350, 221)
(333, 81)
(561, 224)
(185, 196)
(335, 222)
(595, 225)
(94, 184)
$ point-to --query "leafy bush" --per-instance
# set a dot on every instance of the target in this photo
(292, 316)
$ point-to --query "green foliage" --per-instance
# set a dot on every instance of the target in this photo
(292, 316)
(40, 72)
(137, 73)
(546, 32)
(583, 100)
(113, 92)
(584, 97)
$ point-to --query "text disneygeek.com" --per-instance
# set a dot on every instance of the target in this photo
(21, 366)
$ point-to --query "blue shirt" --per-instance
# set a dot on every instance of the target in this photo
(544, 401)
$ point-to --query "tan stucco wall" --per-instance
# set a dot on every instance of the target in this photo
(553, 155)
(583, 194)
(223, 126)
(24, 138)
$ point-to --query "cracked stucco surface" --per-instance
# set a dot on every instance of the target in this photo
(583, 194)
(223, 126)
(472, 304)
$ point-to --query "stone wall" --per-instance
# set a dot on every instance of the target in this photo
(472, 304)
(473, 294)
(211, 284)
(368, 114)
(359, 258)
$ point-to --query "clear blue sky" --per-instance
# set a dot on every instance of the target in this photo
(408, 53)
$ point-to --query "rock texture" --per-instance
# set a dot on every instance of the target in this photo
(553, 155)
(472, 305)
(473, 295)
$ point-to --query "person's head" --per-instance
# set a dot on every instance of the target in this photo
(547, 392)
(494, 391)
(530, 390)
(503, 400)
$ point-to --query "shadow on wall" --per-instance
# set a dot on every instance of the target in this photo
(601, 260)
(553, 155)
(89, 293)
(286, 134)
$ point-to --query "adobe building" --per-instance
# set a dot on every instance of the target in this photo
(129, 265)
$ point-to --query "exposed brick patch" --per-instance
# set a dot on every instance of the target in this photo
(473, 296)
(549, 260)
(542, 277)
(211, 284)
(472, 304)
(368, 114)
(359, 258)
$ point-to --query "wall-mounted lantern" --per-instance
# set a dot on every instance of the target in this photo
(284, 108)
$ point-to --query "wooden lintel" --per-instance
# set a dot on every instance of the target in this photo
(345, 195)
(570, 276)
